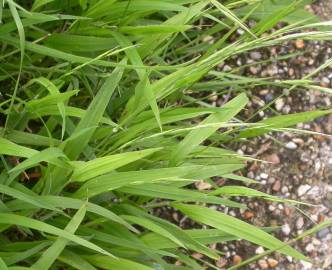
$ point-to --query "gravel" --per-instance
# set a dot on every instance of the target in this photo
(299, 167)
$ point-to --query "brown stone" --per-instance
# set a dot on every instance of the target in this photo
(197, 256)
(299, 44)
(237, 259)
(276, 186)
(273, 158)
(272, 262)
(248, 214)
(287, 211)
(221, 262)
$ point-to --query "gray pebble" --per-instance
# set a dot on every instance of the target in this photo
(323, 233)
(255, 55)
(269, 97)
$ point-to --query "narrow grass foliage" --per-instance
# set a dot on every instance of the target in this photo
(105, 117)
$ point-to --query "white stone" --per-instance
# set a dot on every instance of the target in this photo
(299, 223)
(314, 192)
(289, 258)
(271, 208)
(259, 250)
(284, 189)
(291, 145)
(303, 189)
(309, 248)
(264, 175)
(286, 229)
(279, 104)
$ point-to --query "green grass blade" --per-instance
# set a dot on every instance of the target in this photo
(94, 114)
(196, 137)
(146, 223)
(52, 155)
(179, 194)
(229, 14)
(282, 121)
(51, 254)
(236, 227)
(3, 266)
(21, 34)
(84, 171)
(13, 219)
(27, 198)
(119, 263)
(53, 90)
(9, 148)
(74, 260)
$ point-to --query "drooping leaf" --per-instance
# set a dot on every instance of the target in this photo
(237, 227)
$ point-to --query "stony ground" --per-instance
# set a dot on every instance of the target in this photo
(301, 165)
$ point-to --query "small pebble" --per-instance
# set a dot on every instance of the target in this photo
(273, 158)
(309, 248)
(323, 233)
(306, 265)
(221, 262)
(237, 259)
(279, 104)
(314, 192)
(269, 97)
(259, 250)
(280, 206)
(285, 91)
(326, 80)
(264, 92)
(299, 44)
(289, 258)
(255, 55)
(286, 109)
(240, 31)
(271, 180)
(272, 262)
(298, 141)
(201, 185)
(264, 175)
(253, 70)
(286, 229)
(284, 189)
(227, 68)
(299, 223)
(276, 186)
(291, 145)
(197, 256)
(271, 208)
(263, 264)
(248, 214)
(303, 189)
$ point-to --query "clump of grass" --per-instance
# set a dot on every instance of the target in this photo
(105, 116)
